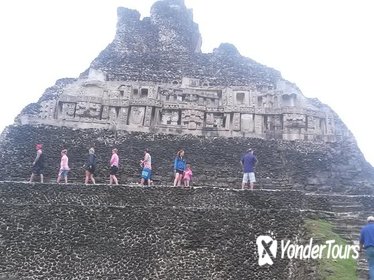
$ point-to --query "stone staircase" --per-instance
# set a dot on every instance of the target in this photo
(350, 214)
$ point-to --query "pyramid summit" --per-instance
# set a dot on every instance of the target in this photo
(153, 77)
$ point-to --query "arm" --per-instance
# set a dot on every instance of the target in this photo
(38, 153)
(175, 164)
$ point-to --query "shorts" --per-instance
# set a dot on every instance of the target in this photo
(63, 173)
(146, 173)
(37, 169)
(249, 177)
(113, 170)
(91, 170)
(179, 171)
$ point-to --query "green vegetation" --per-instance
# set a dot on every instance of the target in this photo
(328, 268)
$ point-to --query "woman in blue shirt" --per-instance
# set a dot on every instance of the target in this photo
(179, 167)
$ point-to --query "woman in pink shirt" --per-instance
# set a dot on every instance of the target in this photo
(114, 167)
(64, 167)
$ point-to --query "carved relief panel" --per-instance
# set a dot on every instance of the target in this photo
(214, 120)
(170, 117)
(311, 123)
(105, 113)
(294, 121)
(125, 91)
(209, 121)
(136, 115)
(148, 116)
(68, 110)
(123, 115)
(259, 120)
(88, 110)
(247, 123)
(193, 119)
(47, 109)
(236, 122)
(330, 125)
(112, 115)
(229, 98)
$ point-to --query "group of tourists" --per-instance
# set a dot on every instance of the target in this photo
(89, 166)
(182, 170)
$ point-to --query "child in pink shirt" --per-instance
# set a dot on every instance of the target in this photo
(187, 176)
(64, 167)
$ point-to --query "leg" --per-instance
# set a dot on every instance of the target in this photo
(110, 179)
(92, 179)
(87, 177)
(243, 186)
(245, 180)
(142, 181)
(176, 179)
(115, 180)
(66, 179)
(179, 179)
(32, 177)
(370, 258)
(41, 178)
(252, 180)
(58, 178)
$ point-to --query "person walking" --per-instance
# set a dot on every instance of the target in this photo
(248, 163)
(114, 161)
(179, 167)
(38, 164)
(367, 243)
(146, 164)
(64, 167)
(90, 166)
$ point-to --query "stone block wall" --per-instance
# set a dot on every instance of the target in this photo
(97, 232)
(215, 161)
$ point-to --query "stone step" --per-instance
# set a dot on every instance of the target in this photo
(347, 208)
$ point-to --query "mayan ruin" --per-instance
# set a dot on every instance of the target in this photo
(153, 90)
(154, 78)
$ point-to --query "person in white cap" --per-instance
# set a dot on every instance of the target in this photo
(367, 242)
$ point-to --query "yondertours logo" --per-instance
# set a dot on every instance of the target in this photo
(267, 250)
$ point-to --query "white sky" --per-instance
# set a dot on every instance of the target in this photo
(325, 47)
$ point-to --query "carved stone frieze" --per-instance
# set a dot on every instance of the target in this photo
(136, 115)
(88, 110)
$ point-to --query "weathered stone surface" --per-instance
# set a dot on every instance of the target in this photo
(87, 232)
(215, 161)
(153, 77)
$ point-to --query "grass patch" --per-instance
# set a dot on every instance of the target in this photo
(328, 268)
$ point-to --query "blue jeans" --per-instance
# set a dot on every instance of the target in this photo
(370, 258)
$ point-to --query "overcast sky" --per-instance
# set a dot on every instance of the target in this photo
(325, 47)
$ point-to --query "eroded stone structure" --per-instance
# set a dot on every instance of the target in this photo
(153, 77)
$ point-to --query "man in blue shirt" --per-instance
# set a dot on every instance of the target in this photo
(248, 162)
(367, 242)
